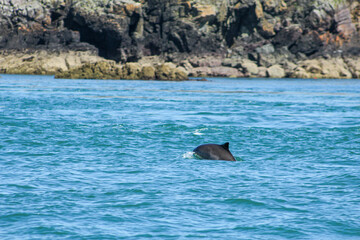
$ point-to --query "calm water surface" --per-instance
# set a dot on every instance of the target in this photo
(88, 159)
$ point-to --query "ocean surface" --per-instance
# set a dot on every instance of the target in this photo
(93, 159)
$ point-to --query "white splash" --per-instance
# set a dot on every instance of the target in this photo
(199, 131)
(188, 155)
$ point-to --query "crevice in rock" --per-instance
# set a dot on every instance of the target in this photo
(93, 31)
(243, 21)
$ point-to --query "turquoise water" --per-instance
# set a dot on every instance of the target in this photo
(89, 159)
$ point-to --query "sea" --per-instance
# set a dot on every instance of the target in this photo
(112, 159)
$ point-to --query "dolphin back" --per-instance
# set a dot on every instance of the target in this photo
(214, 152)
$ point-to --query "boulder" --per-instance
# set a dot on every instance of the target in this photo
(169, 71)
(275, 71)
(266, 28)
(148, 72)
(262, 72)
(132, 70)
(266, 60)
(265, 49)
(299, 72)
(226, 72)
(179, 74)
(164, 71)
(201, 72)
(206, 61)
(332, 68)
(323, 68)
(216, 72)
(249, 68)
(186, 65)
(232, 62)
(354, 66)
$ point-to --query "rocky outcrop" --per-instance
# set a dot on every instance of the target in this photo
(85, 65)
(230, 38)
(44, 62)
(326, 68)
(98, 70)
(130, 71)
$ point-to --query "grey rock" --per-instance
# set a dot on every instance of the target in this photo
(249, 68)
(266, 49)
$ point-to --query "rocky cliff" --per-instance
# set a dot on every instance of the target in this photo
(233, 38)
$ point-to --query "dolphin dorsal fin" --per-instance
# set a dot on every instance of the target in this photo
(226, 146)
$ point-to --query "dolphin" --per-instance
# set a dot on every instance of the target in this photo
(214, 152)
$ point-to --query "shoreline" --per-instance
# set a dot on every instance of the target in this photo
(88, 65)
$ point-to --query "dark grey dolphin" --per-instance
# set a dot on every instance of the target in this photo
(214, 152)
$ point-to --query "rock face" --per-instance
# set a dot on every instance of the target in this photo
(231, 38)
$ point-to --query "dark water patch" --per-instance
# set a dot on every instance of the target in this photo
(246, 202)
(15, 217)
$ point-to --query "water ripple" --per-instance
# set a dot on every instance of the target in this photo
(113, 160)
